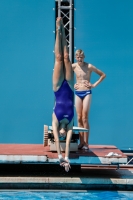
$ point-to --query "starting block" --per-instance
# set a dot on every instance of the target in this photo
(49, 138)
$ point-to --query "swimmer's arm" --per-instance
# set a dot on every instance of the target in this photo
(56, 137)
(99, 72)
(68, 139)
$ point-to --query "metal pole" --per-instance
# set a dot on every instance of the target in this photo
(59, 9)
(70, 31)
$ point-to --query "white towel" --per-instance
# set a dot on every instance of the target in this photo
(112, 154)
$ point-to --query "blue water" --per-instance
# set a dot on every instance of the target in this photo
(60, 195)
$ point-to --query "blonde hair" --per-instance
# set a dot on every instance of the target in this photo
(79, 51)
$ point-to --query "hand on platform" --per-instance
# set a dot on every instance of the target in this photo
(64, 163)
(67, 166)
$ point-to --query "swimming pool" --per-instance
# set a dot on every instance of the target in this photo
(66, 195)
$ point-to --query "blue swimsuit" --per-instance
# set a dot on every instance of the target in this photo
(64, 107)
(82, 94)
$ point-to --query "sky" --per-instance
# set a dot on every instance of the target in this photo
(103, 29)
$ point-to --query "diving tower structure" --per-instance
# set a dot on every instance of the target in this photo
(65, 9)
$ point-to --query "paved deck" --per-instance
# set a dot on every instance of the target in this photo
(97, 154)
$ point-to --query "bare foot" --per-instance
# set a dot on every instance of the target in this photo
(63, 29)
(80, 146)
(83, 146)
(58, 23)
(86, 146)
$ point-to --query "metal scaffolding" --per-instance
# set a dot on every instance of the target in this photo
(64, 9)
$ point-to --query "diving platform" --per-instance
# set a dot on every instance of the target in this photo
(97, 156)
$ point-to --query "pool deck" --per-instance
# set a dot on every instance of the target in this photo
(37, 153)
(31, 166)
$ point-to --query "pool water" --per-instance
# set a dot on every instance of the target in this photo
(60, 195)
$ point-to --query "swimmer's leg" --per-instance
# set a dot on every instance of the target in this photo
(67, 63)
(58, 74)
(79, 108)
(85, 117)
